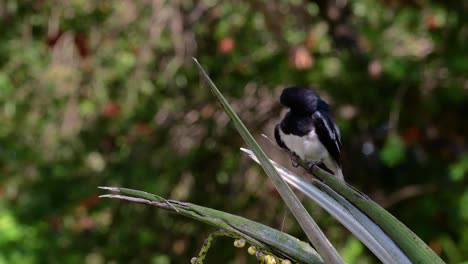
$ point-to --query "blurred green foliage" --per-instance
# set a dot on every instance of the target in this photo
(104, 93)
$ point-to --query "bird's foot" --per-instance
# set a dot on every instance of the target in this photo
(312, 163)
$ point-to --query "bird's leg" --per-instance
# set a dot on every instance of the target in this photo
(312, 163)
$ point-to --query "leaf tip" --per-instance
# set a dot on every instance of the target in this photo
(112, 189)
(248, 151)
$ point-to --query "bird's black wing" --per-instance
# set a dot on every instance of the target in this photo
(328, 134)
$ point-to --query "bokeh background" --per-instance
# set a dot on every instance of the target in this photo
(105, 93)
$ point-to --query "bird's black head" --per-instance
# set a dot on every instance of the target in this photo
(302, 100)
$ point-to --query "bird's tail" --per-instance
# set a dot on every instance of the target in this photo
(339, 174)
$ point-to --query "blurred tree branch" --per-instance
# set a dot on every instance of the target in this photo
(406, 192)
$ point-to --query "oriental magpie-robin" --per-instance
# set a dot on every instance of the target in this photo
(308, 130)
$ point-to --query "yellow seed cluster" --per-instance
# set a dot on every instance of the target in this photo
(252, 250)
(239, 243)
(264, 259)
(268, 259)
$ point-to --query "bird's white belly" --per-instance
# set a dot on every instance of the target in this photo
(307, 147)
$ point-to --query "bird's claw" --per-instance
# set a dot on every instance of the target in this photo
(312, 163)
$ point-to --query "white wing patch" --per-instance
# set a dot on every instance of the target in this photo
(333, 133)
(330, 131)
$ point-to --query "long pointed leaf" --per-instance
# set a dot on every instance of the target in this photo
(381, 237)
(311, 229)
(259, 235)
(407, 240)
(355, 221)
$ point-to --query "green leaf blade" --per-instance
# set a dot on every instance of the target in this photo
(311, 229)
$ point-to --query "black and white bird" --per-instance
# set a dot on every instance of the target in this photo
(308, 130)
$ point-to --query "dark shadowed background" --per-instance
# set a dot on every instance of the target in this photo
(105, 93)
